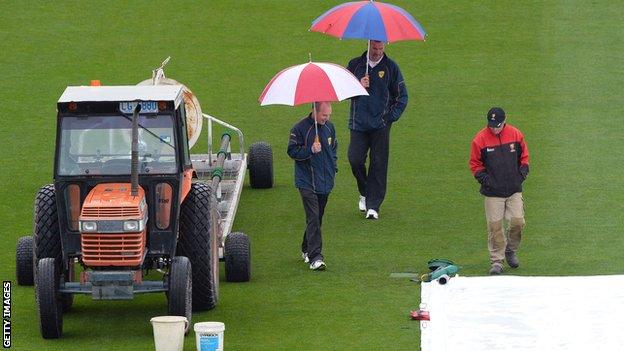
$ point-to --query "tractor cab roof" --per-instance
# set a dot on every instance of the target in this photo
(123, 93)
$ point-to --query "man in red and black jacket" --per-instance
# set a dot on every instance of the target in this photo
(499, 160)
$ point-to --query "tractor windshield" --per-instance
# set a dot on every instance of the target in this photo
(102, 145)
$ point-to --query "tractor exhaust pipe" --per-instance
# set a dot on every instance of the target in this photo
(134, 156)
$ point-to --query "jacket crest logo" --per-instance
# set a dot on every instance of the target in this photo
(512, 148)
(329, 140)
(381, 74)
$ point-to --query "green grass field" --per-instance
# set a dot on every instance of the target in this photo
(555, 66)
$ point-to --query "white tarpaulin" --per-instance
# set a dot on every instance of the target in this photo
(524, 313)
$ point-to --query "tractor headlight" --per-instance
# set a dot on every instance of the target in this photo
(131, 226)
(134, 226)
(88, 226)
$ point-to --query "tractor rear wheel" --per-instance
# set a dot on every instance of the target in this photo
(199, 241)
(260, 165)
(237, 258)
(180, 296)
(24, 269)
(48, 297)
(47, 236)
(46, 232)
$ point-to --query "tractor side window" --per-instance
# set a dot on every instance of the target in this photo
(73, 205)
(164, 195)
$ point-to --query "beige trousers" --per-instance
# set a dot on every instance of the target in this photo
(505, 221)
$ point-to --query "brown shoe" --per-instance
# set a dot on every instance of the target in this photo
(496, 269)
(512, 259)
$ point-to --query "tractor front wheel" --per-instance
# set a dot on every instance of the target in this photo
(180, 296)
(24, 269)
(49, 301)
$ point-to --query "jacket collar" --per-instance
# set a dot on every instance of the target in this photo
(499, 134)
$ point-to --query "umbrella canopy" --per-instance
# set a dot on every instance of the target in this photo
(311, 82)
(369, 20)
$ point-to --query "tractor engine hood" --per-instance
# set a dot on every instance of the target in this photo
(113, 200)
(113, 226)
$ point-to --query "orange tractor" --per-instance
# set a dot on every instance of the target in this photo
(129, 198)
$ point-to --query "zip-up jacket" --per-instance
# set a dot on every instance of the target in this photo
(314, 172)
(499, 162)
(387, 95)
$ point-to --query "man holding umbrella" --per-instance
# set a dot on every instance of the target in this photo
(312, 141)
(370, 119)
(313, 147)
(371, 116)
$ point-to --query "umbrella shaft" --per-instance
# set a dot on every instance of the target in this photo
(367, 57)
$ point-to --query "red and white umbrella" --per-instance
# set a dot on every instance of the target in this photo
(311, 82)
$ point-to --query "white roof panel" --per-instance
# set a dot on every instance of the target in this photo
(123, 93)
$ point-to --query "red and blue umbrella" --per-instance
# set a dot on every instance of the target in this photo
(370, 20)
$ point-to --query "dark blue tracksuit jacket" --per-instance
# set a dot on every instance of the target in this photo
(387, 95)
(314, 172)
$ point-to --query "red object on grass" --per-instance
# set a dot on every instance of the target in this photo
(420, 315)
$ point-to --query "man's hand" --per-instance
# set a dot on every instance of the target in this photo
(316, 147)
(524, 171)
(483, 178)
(365, 81)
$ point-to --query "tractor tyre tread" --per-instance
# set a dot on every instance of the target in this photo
(180, 300)
(195, 243)
(24, 269)
(48, 299)
(46, 232)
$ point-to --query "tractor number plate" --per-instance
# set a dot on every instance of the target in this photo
(146, 106)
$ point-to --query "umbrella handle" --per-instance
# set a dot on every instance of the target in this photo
(316, 137)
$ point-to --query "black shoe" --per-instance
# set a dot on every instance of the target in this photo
(512, 259)
(496, 269)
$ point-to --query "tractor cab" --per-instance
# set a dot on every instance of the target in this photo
(93, 167)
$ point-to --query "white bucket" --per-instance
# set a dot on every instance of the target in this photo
(209, 336)
(169, 332)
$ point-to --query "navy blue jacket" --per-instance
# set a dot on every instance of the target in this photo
(314, 172)
(387, 95)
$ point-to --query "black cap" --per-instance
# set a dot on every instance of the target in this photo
(495, 117)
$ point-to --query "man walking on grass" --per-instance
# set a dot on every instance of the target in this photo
(370, 119)
(499, 161)
(313, 147)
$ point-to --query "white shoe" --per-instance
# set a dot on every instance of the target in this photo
(318, 265)
(372, 214)
(305, 257)
(362, 204)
